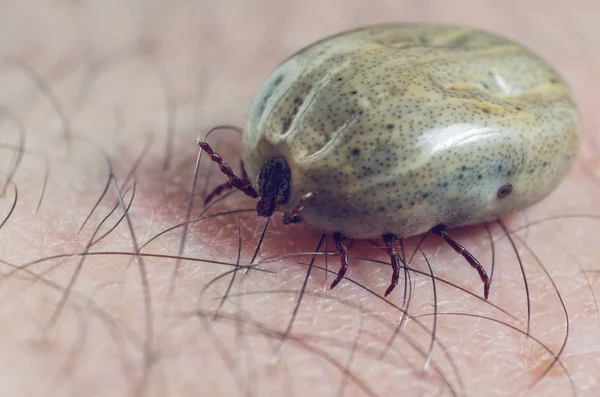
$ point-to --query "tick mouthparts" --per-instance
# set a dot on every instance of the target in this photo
(265, 206)
(273, 185)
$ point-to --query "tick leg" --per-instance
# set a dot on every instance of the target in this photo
(442, 231)
(292, 216)
(389, 239)
(343, 251)
(235, 181)
(219, 190)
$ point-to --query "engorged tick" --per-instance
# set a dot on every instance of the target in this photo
(395, 130)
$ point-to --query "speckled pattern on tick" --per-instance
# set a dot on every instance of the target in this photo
(395, 130)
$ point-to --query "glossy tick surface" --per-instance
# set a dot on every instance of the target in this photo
(395, 130)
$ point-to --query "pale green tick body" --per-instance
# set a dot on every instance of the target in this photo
(395, 130)
(398, 128)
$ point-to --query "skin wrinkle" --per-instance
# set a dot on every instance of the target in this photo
(134, 80)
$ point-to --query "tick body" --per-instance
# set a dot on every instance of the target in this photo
(397, 130)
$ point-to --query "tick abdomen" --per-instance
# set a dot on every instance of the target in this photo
(399, 128)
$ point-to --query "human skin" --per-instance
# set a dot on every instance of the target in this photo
(98, 86)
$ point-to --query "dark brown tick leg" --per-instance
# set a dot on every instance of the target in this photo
(219, 190)
(339, 244)
(442, 231)
(234, 181)
(389, 239)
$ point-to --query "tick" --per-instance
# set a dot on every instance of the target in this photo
(395, 130)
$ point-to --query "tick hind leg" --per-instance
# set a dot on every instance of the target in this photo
(236, 182)
(442, 231)
(343, 251)
(389, 239)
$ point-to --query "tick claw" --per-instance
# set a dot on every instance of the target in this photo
(336, 282)
(389, 289)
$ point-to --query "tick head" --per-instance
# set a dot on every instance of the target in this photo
(273, 186)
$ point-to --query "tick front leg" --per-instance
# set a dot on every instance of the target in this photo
(236, 182)
(389, 239)
(442, 231)
(222, 188)
(343, 251)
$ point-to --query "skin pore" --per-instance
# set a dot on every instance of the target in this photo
(102, 104)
